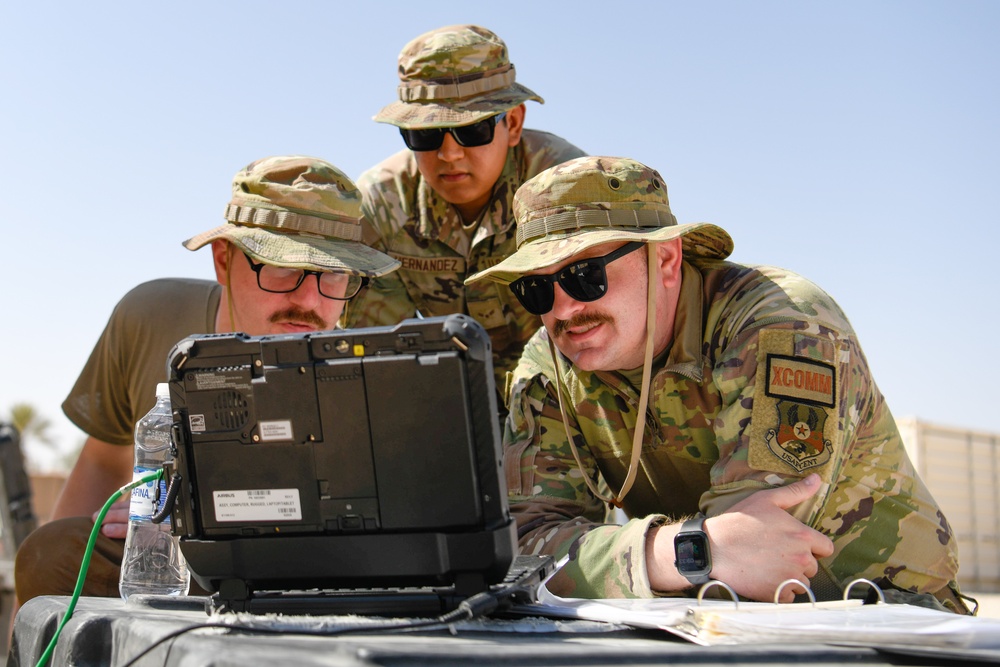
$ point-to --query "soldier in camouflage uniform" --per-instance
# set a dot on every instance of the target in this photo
(286, 260)
(762, 412)
(443, 208)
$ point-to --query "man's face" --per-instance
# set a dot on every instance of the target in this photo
(257, 312)
(610, 333)
(465, 176)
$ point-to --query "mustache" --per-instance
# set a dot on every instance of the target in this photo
(580, 320)
(300, 316)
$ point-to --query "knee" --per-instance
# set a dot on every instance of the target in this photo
(48, 561)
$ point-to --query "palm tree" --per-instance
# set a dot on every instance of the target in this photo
(32, 425)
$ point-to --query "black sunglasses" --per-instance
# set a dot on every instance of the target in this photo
(469, 136)
(585, 280)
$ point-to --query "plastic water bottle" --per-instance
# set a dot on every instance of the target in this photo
(153, 563)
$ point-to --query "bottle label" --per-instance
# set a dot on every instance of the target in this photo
(145, 500)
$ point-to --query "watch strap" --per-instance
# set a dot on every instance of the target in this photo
(695, 524)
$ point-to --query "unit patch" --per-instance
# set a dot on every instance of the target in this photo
(800, 379)
(794, 421)
(798, 440)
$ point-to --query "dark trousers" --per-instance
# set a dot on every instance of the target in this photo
(48, 561)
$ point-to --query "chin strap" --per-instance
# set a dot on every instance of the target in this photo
(640, 422)
(229, 289)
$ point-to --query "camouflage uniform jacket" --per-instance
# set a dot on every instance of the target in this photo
(763, 384)
(407, 219)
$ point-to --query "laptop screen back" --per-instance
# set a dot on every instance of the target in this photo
(366, 457)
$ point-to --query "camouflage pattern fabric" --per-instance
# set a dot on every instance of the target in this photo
(764, 383)
(298, 212)
(408, 220)
(452, 76)
(593, 200)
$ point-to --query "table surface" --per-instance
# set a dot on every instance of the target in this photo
(106, 631)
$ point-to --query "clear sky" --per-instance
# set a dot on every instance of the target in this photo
(855, 142)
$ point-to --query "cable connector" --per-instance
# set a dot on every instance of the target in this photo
(156, 474)
(480, 604)
(168, 502)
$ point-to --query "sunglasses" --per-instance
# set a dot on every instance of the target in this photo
(468, 136)
(586, 280)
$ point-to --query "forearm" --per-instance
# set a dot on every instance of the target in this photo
(606, 560)
(755, 546)
(100, 470)
(549, 525)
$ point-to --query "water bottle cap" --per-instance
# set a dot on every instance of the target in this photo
(162, 390)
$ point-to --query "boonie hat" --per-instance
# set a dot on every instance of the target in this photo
(592, 200)
(453, 76)
(298, 212)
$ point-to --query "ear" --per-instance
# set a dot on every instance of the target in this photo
(222, 256)
(515, 124)
(670, 254)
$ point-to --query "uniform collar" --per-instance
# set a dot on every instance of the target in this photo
(685, 350)
(440, 221)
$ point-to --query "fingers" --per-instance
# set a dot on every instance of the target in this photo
(791, 588)
(816, 544)
(116, 531)
(822, 545)
(115, 523)
(120, 505)
(792, 494)
(760, 545)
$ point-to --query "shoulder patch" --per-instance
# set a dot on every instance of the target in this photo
(793, 426)
(799, 379)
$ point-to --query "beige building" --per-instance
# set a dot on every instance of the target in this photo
(961, 467)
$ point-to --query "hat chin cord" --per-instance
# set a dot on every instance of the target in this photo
(640, 422)
(229, 291)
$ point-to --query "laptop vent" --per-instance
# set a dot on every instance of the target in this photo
(231, 411)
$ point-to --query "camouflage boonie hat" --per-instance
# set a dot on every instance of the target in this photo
(454, 76)
(592, 200)
(298, 212)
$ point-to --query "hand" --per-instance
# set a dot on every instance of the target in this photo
(757, 544)
(115, 524)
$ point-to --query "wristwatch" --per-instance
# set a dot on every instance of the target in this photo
(693, 558)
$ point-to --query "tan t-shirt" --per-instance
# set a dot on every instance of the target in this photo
(118, 384)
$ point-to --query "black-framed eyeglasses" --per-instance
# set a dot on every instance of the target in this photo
(585, 280)
(279, 280)
(469, 136)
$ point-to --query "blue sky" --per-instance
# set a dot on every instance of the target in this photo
(855, 142)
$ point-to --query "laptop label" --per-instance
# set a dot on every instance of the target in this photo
(257, 505)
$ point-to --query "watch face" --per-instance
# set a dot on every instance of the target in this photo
(692, 554)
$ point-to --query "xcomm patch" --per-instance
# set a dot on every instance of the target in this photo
(793, 427)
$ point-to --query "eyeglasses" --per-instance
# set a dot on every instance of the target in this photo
(469, 136)
(586, 280)
(279, 280)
